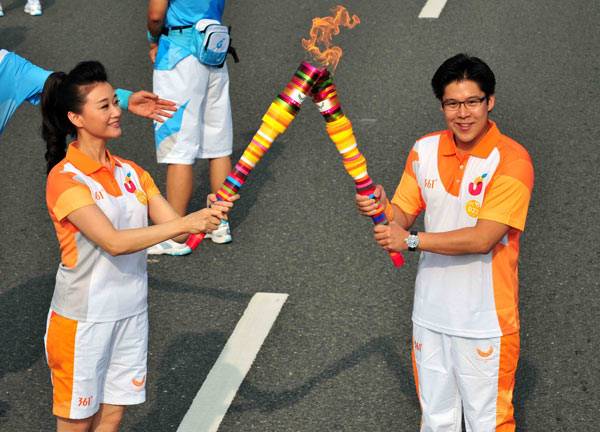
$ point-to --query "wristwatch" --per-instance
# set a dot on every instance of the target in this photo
(412, 241)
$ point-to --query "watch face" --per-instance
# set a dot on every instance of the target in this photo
(412, 241)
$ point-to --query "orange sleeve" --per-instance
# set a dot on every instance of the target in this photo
(65, 194)
(408, 194)
(507, 196)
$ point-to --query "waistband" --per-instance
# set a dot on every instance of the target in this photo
(166, 31)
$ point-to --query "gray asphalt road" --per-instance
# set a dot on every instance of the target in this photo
(338, 356)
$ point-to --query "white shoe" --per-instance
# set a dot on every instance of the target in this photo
(33, 7)
(169, 247)
(221, 235)
(1, 11)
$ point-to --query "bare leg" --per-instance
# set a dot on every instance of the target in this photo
(219, 168)
(71, 425)
(180, 183)
(108, 418)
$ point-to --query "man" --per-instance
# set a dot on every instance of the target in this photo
(474, 186)
(23, 81)
(203, 127)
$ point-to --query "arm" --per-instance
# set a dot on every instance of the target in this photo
(479, 239)
(94, 224)
(157, 10)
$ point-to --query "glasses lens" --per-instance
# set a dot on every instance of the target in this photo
(473, 103)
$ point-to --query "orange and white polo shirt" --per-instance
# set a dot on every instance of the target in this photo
(468, 295)
(91, 285)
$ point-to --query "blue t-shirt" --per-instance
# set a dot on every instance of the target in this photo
(21, 81)
(188, 12)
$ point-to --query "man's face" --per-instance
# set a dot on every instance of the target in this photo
(467, 124)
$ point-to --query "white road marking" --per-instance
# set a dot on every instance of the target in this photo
(432, 9)
(222, 383)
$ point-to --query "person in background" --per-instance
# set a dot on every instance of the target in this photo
(24, 81)
(32, 7)
(473, 185)
(202, 128)
(97, 328)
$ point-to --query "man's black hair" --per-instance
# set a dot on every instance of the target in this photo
(463, 67)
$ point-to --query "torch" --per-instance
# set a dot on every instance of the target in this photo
(278, 117)
(339, 128)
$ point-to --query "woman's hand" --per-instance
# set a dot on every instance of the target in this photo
(207, 220)
(223, 206)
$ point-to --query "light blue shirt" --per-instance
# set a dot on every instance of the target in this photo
(189, 12)
(20, 81)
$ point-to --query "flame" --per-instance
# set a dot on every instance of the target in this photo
(321, 33)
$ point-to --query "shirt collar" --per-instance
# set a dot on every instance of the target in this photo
(483, 148)
(86, 164)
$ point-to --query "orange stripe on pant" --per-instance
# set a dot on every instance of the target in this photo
(416, 375)
(60, 349)
(509, 357)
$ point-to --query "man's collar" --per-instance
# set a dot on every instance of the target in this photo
(86, 164)
(483, 148)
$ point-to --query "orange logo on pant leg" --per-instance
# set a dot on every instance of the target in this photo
(139, 383)
(485, 353)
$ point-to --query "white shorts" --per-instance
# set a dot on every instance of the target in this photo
(202, 126)
(93, 363)
(452, 373)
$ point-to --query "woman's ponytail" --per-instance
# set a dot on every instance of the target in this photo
(55, 124)
(63, 93)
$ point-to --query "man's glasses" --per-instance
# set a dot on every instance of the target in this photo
(471, 104)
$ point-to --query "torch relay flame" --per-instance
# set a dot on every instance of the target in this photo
(321, 33)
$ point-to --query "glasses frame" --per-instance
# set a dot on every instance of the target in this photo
(481, 99)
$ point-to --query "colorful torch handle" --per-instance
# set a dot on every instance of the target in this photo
(339, 128)
(278, 117)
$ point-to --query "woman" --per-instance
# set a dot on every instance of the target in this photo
(97, 329)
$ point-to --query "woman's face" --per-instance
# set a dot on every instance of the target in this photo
(100, 113)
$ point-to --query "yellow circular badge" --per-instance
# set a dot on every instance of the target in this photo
(473, 208)
(141, 196)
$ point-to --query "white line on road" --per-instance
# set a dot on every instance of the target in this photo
(432, 9)
(216, 394)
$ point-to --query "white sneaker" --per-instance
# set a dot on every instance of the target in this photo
(33, 7)
(1, 11)
(221, 235)
(169, 247)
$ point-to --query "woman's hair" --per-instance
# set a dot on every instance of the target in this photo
(63, 93)
(463, 67)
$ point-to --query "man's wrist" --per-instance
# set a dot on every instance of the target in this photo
(412, 241)
(123, 98)
(151, 38)
(389, 210)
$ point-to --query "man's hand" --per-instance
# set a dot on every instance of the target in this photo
(391, 237)
(367, 206)
(152, 52)
(146, 104)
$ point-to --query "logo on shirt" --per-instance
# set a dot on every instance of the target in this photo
(131, 188)
(429, 183)
(472, 208)
(476, 186)
(417, 346)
